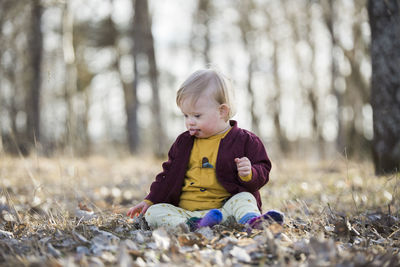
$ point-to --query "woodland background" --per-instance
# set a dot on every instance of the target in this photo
(87, 114)
(90, 76)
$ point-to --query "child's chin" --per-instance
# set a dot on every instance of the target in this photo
(199, 134)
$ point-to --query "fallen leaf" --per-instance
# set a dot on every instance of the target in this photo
(84, 207)
(161, 239)
(240, 254)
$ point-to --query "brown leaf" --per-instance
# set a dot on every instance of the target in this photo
(276, 228)
(341, 228)
(135, 253)
(84, 207)
(245, 242)
(192, 239)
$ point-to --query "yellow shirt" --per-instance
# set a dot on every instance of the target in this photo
(201, 189)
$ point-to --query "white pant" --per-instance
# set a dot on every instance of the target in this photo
(170, 216)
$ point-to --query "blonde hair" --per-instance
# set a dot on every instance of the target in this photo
(204, 80)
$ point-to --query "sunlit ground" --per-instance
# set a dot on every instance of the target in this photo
(336, 200)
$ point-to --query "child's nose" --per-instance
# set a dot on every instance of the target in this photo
(191, 121)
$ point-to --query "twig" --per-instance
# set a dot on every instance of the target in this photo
(393, 233)
(347, 176)
(11, 205)
(31, 176)
(376, 233)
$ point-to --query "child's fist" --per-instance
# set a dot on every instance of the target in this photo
(243, 166)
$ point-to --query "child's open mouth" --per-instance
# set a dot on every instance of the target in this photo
(193, 131)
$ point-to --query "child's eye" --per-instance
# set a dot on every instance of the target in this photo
(197, 116)
(184, 115)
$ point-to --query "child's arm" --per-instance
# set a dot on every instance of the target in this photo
(168, 183)
(254, 166)
(139, 209)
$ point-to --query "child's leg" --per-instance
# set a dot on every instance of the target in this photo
(242, 206)
(167, 215)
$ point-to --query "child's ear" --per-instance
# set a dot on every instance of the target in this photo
(224, 111)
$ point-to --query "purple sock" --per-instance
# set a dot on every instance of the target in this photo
(270, 216)
(212, 217)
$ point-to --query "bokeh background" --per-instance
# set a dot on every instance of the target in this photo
(100, 76)
(88, 113)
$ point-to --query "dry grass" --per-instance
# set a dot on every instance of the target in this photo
(66, 211)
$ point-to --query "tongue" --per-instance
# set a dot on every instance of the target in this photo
(193, 132)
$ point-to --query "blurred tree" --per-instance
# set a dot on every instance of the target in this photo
(131, 107)
(3, 8)
(75, 130)
(36, 50)
(131, 101)
(16, 62)
(84, 79)
(70, 72)
(348, 83)
(385, 84)
(357, 87)
(286, 48)
(129, 88)
(275, 103)
(101, 34)
(200, 42)
(245, 10)
(2, 98)
(310, 87)
(330, 14)
(143, 49)
(303, 36)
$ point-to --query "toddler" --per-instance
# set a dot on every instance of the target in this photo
(215, 169)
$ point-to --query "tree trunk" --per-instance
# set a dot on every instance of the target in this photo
(330, 17)
(131, 107)
(310, 91)
(70, 76)
(276, 104)
(131, 102)
(36, 49)
(2, 101)
(246, 27)
(200, 43)
(385, 84)
(144, 45)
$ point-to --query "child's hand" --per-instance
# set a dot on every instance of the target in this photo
(139, 209)
(243, 166)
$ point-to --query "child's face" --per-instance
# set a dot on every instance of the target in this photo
(204, 118)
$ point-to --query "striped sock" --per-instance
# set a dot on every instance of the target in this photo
(248, 216)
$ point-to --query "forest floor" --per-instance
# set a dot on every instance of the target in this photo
(71, 211)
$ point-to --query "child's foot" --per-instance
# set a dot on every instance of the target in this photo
(212, 218)
(270, 216)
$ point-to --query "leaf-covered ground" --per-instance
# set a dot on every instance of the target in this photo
(69, 211)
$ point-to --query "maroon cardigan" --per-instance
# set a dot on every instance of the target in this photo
(238, 143)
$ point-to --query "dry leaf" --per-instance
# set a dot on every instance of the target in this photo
(240, 254)
(161, 239)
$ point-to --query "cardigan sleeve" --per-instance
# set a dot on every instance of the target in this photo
(260, 164)
(160, 188)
